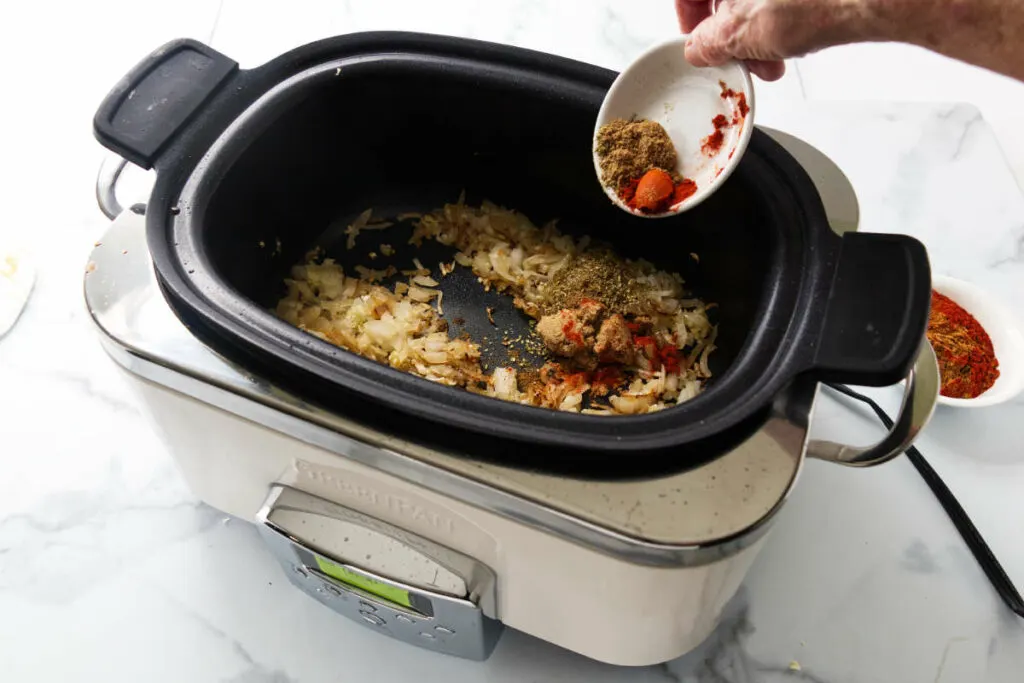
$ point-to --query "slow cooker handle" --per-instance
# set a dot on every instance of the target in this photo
(920, 394)
(106, 185)
(147, 108)
(876, 310)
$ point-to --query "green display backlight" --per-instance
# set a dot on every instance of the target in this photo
(378, 588)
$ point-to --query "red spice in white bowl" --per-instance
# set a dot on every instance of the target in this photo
(980, 363)
(707, 113)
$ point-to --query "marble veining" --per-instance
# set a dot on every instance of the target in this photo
(252, 671)
(104, 551)
(918, 558)
(724, 657)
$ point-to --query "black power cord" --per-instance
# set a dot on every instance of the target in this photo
(979, 548)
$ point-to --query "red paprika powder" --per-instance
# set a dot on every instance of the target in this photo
(967, 362)
(740, 99)
(711, 145)
(655, 191)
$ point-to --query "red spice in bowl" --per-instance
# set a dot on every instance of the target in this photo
(656, 192)
(701, 112)
(712, 144)
(968, 366)
(742, 108)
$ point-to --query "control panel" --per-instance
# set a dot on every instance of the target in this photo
(433, 617)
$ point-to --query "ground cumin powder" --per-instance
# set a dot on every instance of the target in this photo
(627, 150)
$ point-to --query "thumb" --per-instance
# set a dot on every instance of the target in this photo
(706, 46)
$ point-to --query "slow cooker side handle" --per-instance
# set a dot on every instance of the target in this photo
(920, 395)
(106, 185)
(876, 311)
(147, 108)
(874, 335)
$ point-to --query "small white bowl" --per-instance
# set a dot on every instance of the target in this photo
(17, 278)
(1003, 329)
(662, 86)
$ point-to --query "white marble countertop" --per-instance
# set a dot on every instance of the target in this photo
(110, 570)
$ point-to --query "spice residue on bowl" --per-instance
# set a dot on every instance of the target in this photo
(968, 366)
(712, 144)
(638, 161)
(739, 100)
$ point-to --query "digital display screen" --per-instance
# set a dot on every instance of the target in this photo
(378, 588)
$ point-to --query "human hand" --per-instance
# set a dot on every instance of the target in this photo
(709, 38)
(762, 33)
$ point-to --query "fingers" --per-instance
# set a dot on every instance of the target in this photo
(708, 46)
(705, 46)
(767, 70)
(691, 13)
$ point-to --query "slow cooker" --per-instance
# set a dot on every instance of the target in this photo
(432, 515)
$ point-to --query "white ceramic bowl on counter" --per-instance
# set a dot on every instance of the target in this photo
(1003, 328)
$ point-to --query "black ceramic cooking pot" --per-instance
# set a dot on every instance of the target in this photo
(254, 166)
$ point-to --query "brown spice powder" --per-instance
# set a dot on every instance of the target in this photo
(628, 149)
(597, 275)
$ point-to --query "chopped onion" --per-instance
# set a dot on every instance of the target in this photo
(358, 224)
(631, 405)
(420, 294)
(425, 281)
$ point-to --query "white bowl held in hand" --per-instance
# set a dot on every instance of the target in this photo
(1003, 329)
(662, 86)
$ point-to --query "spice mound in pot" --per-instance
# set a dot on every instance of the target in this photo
(588, 334)
(598, 275)
(638, 161)
(968, 366)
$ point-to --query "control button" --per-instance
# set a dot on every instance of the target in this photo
(445, 630)
(363, 605)
(334, 591)
(371, 618)
(427, 636)
(404, 619)
(300, 571)
(323, 593)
